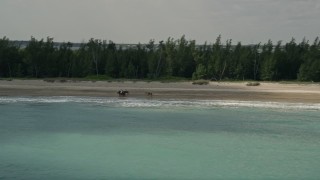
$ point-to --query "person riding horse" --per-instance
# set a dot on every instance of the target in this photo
(123, 93)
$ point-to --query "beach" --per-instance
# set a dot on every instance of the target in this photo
(266, 91)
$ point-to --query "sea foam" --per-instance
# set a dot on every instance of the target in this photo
(168, 103)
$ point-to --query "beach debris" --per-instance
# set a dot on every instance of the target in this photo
(49, 80)
(55, 80)
(253, 84)
(200, 82)
(122, 93)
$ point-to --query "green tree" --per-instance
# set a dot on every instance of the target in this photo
(241, 60)
(81, 65)
(267, 61)
(94, 48)
(310, 69)
(152, 59)
(10, 59)
(170, 57)
(215, 62)
(33, 57)
(221, 58)
(200, 73)
(159, 56)
(185, 64)
(65, 58)
(111, 56)
(48, 64)
(256, 62)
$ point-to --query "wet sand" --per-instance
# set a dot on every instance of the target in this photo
(275, 92)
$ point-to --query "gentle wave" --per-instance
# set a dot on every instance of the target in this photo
(149, 103)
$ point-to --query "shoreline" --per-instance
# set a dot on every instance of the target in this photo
(267, 91)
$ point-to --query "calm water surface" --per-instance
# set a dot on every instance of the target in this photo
(106, 138)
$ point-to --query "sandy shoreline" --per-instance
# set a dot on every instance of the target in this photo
(276, 92)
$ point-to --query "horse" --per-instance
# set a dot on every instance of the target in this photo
(122, 93)
(149, 94)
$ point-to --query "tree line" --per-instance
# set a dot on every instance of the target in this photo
(170, 58)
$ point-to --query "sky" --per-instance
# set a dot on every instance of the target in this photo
(134, 21)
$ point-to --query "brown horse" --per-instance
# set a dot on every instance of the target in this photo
(149, 94)
(123, 93)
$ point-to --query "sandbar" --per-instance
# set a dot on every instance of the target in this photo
(266, 91)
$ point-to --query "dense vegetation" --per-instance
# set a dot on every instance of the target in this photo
(172, 58)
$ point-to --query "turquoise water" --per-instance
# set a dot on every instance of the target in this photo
(111, 138)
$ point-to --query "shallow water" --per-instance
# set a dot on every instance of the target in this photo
(111, 138)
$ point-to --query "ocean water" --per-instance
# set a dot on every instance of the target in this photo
(123, 138)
